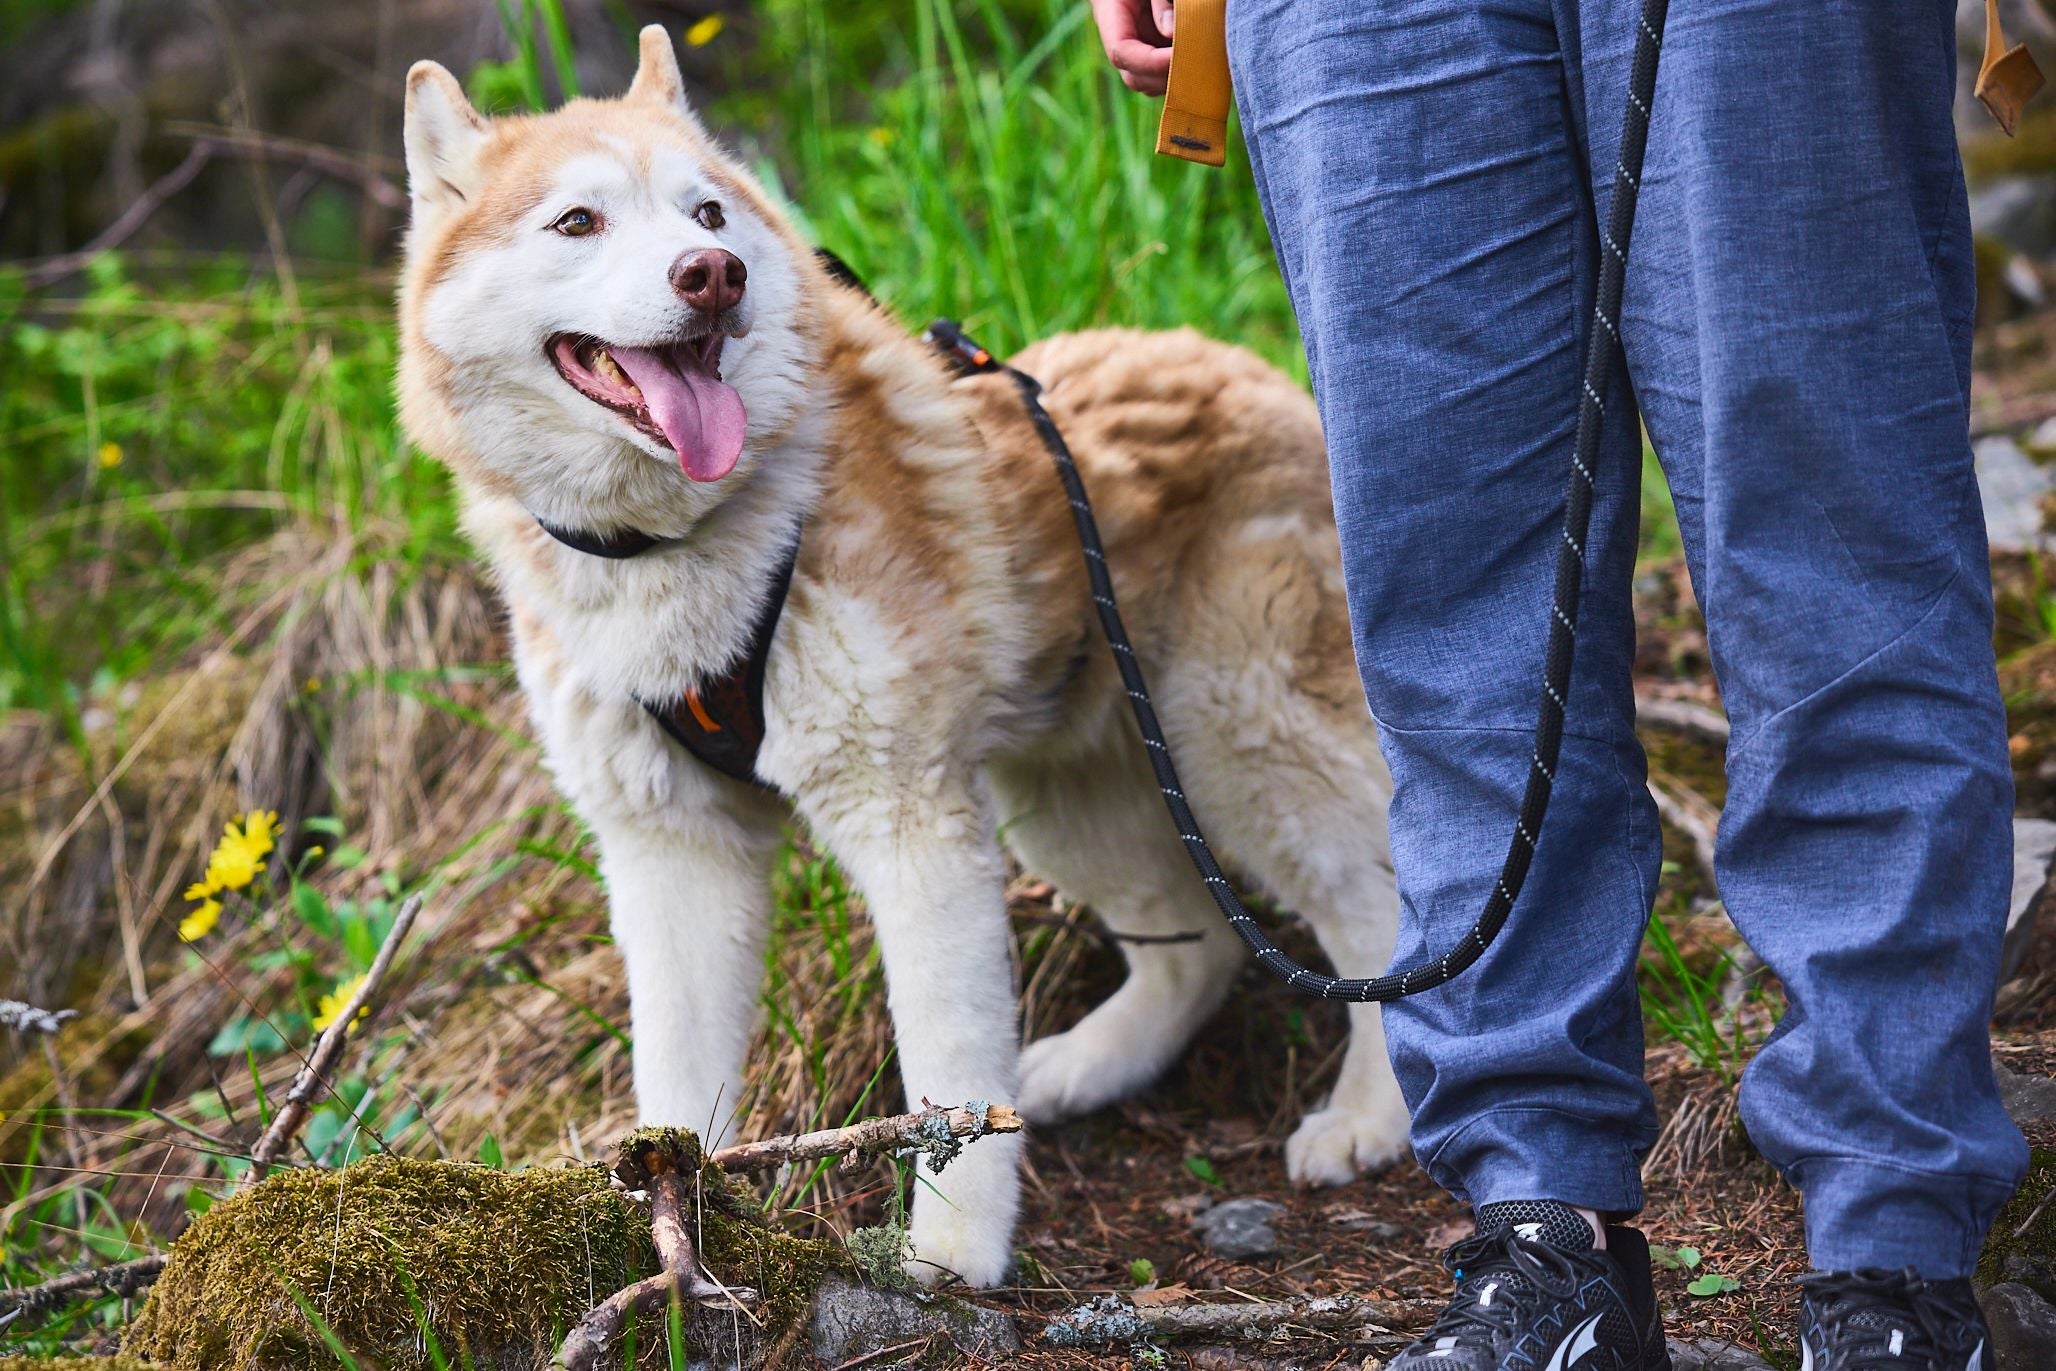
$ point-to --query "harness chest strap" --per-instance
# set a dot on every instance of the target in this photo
(721, 719)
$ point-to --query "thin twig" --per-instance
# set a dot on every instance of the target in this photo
(1686, 716)
(924, 1130)
(313, 1077)
(125, 1279)
(134, 217)
(1105, 934)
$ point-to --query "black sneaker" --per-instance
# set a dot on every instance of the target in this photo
(1532, 1294)
(1890, 1321)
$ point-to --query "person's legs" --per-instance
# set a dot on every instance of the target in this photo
(1422, 175)
(1798, 326)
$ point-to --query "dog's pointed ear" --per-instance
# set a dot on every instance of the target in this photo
(657, 78)
(444, 134)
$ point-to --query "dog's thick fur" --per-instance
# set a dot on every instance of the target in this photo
(938, 678)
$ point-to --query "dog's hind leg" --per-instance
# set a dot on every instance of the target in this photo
(1098, 832)
(1311, 829)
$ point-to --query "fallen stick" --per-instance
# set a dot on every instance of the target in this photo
(601, 1330)
(1111, 1320)
(313, 1077)
(125, 1279)
(939, 1132)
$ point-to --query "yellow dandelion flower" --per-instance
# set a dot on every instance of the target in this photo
(199, 922)
(200, 890)
(239, 856)
(705, 31)
(109, 456)
(883, 136)
(260, 830)
(333, 1003)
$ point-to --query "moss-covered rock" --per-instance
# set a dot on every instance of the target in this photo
(2027, 1257)
(500, 1266)
(499, 1262)
(77, 1364)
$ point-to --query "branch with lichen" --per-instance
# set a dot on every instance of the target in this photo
(1112, 1321)
(127, 1278)
(940, 1133)
(27, 1018)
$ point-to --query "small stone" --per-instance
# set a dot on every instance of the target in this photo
(2023, 1327)
(1711, 1354)
(852, 1320)
(1238, 1229)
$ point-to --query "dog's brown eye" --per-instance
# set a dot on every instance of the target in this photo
(577, 223)
(709, 214)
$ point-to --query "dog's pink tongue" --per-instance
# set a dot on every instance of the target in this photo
(702, 418)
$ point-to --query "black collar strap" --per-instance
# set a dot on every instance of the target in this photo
(629, 542)
(721, 720)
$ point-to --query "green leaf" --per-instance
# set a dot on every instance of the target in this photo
(1142, 1271)
(1673, 1258)
(310, 906)
(1713, 1283)
(489, 1152)
(1204, 1169)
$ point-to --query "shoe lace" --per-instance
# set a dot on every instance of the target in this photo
(1525, 1267)
(1860, 1310)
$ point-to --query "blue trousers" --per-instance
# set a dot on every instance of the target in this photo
(1797, 326)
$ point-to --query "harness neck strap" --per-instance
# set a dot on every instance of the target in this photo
(629, 542)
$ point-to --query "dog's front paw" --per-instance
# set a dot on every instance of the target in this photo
(1334, 1146)
(958, 1244)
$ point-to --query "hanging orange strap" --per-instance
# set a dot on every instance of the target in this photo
(2009, 77)
(1195, 122)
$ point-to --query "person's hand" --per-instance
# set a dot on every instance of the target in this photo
(1137, 37)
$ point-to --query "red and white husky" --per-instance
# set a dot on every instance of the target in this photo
(608, 326)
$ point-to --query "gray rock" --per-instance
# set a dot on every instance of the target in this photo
(2029, 1099)
(2023, 1327)
(1711, 1354)
(2019, 211)
(853, 1320)
(2034, 851)
(2011, 486)
(1236, 1229)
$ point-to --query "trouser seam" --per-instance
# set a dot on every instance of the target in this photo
(1740, 744)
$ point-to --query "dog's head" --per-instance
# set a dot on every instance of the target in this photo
(593, 291)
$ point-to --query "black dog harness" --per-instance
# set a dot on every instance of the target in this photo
(721, 720)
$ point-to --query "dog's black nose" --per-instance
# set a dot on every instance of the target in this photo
(709, 279)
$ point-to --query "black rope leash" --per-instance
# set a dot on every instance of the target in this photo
(1602, 356)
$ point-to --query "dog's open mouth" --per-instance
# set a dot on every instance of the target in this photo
(673, 392)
